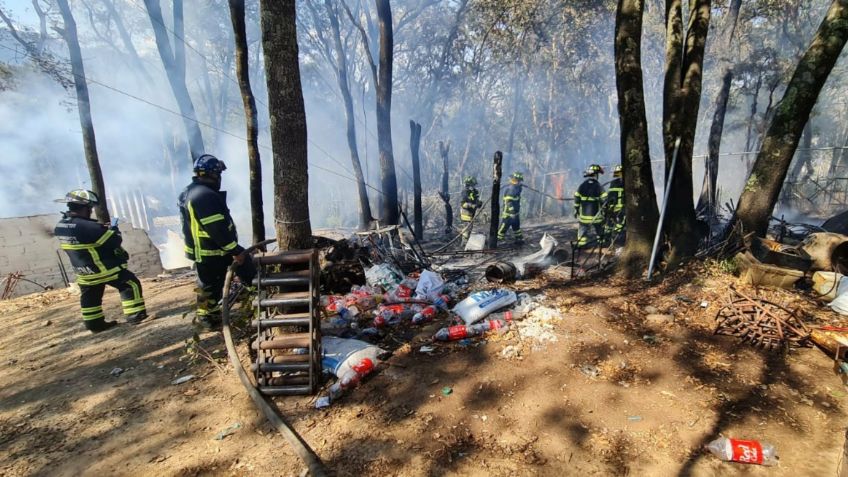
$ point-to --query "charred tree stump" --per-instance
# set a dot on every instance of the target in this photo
(497, 169)
(444, 149)
(414, 147)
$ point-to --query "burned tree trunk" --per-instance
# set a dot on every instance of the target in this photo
(174, 64)
(792, 113)
(414, 146)
(681, 101)
(388, 174)
(709, 188)
(497, 170)
(639, 197)
(288, 124)
(250, 118)
(444, 149)
(69, 32)
(344, 87)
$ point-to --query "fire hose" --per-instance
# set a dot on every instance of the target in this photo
(313, 463)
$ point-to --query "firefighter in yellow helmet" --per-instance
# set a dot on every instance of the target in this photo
(613, 200)
(587, 207)
(470, 204)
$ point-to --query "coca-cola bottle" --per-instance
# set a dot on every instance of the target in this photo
(459, 332)
(748, 452)
(351, 377)
(425, 315)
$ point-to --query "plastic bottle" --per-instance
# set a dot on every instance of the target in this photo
(401, 293)
(389, 315)
(441, 301)
(425, 315)
(459, 332)
(351, 377)
(748, 452)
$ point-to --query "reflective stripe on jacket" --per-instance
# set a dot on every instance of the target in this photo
(94, 249)
(511, 201)
(208, 228)
(470, 203)
(587, 202)
(615, 195)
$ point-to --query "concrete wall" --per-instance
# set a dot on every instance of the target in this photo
(27, 245)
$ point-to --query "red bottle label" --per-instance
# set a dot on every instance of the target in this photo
(457, 332)
(364, 367)
(494, 324)
(403, 291)
(748, 452)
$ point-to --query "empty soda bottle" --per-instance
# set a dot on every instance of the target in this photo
(425, 315)
(748, 452)
(351, 377)
(459, 332)
(440, 301)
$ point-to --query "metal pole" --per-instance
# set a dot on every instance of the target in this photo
(662, 210)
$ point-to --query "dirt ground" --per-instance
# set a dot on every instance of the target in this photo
(661, 392)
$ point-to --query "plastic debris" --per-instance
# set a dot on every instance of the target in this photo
(116, 371)
(746, 452)
(479, 304)
(228, 431)
(426, 349)
(183, 379)
(447, 391)
(590, 370)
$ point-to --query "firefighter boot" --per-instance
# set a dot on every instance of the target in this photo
(98, 325)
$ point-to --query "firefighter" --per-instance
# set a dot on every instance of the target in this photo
(470, 203)
(512, 208)
(98, 259)
(587, 206)
(211, 241)
(613, 200)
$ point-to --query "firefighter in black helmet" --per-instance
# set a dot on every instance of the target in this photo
(587, 206)
(510, 217)
(98, 260)
(211, 241)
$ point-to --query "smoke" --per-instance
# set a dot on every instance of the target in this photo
(534, 77)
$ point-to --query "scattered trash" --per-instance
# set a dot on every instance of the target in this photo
(538, 325)
(116, 371)
(825, 284)
(590, 370)
(481, 303)
(228, 431)
(501, 272)
(534, 263)
(684, 299)
(349, 360)
(383, 275)
(322, 402)
(634, 418)
(705, 304)
(476, 242)
(747, 452)
(183, 379)
(429, 284)
(511, 352)
(447, 391)
(460, 332)
(650, 339)
(426, 349)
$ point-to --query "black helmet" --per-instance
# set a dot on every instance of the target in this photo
(80, 197)
(208, 164)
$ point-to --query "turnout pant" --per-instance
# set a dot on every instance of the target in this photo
(91, 299)
(589, 233)
(211, 273)
(510, 222)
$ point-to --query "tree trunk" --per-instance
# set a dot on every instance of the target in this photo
(497, 170)
(257, 215)
(342, 78)
(288, 124)
(639, 196)
(69, 32)
(444, 149)
(682, 97)
(709, 188)
(792, 113)
(707, 201)
(174, 64)
(414, 146)
(388, 175)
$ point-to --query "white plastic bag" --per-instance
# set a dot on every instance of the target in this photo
(479, 304)
(840, 303)
(429, 284)
(340, 355)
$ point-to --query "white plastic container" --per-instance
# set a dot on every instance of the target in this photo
(824, 285)
(479, 304)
